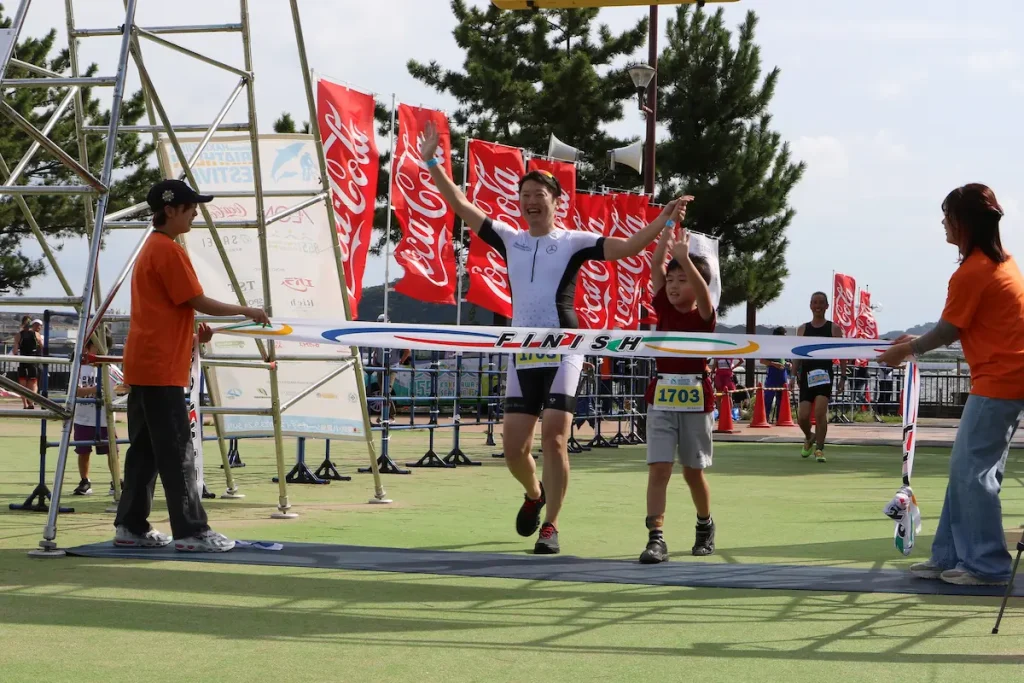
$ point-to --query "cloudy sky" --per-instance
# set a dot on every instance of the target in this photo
(890, 108)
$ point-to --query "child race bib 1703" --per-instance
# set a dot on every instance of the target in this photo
(818, 378)
(679, 393)
(535, 361)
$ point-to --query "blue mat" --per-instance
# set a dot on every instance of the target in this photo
(688, 573)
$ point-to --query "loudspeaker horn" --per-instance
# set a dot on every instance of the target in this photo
(559, 150)
(631, 155)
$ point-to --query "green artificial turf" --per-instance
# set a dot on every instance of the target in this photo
(76, 619)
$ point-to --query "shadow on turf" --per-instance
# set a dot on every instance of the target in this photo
(325, 606)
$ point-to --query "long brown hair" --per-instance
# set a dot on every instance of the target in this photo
(974, 213)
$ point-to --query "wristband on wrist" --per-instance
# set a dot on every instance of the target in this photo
(434, 161)
(670, 223)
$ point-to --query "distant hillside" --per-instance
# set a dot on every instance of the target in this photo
(917, 329)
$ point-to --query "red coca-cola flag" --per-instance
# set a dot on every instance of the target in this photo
(425, 250)
(345, 118)
(565, 173)
(843, 290)
(493, 187)
(867, 327)
(595, 284)
(629, 216)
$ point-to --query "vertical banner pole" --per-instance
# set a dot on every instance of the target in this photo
(387, 228)
(462, 230)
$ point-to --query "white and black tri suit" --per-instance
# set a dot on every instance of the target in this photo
(542, 277)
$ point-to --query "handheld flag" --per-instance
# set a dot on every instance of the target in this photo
(902, 509)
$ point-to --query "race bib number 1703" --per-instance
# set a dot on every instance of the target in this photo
(818, 378)
(679, 393)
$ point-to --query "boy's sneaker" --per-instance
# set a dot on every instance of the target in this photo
(84, 488)
(819, 455)
(151, 539)
(528, 518)
(704, 545)
(962, 577)
(547, 543)
(208, 541)
(111, 491)
(926, 570)
(655, 552)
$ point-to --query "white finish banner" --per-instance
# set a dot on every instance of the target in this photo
(303, 278)
(569, 342)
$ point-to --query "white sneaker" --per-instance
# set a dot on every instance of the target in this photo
(208, 541)
(151, 539)
(962, 577)
(926, 570)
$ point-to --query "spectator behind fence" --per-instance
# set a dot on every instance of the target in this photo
(157, 357)
(29, 342)
(86, 430)
(777, 377)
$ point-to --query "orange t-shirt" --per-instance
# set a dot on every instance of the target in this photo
(158, 352)
(986, 303)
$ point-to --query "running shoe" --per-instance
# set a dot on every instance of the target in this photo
(819, 455)
(123, 538)
(84, 488)
(547, 543)
(655, 552)
(528, 518)
(208, 541)
(704, 544)
(807, 450)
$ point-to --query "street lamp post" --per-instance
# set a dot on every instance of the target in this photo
(645, 78)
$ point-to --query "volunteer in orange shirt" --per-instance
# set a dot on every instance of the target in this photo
(157, 363)
(985, 311)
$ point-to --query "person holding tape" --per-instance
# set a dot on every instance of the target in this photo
(542, 266)
(985, 311)
(815, 380)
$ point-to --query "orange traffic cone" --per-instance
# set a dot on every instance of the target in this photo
(725, 425)
(760, 417)
(785, 410)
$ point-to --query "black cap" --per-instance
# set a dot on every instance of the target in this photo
(174, 193)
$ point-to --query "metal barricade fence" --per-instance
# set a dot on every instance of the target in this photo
(435, 391)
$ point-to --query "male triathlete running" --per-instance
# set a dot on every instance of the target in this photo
(542, 266)
(815, 380)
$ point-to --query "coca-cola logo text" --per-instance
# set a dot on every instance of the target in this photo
(844, 305)
(504, 185)
(495, 275)
(298, 284)
(221, 212)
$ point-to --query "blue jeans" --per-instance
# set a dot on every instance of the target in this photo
(970, 532)
(770, 400)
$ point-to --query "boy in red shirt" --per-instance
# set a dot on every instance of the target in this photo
(680, 399)
(157, 364)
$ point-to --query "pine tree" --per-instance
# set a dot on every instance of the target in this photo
(286, 124)
(528, 75)
(61, 216)
(721, 149)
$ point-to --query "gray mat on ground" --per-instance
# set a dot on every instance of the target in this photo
(563, 568)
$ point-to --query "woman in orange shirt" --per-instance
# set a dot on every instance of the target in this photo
(985, 311)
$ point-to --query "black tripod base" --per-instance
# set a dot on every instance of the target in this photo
(328, 471)
(430, 459)
(386, 466)
(38, 501)
(234, 459)
(601, 442)
(301, 474)
(457, 457)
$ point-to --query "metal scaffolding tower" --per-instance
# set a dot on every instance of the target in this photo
(95, 192)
